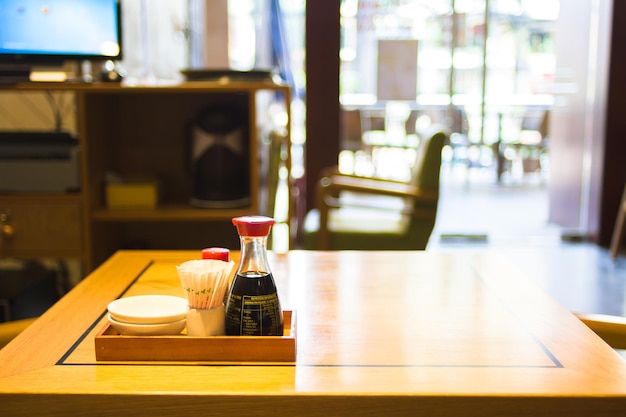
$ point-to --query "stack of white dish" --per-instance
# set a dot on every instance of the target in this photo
(148, 315)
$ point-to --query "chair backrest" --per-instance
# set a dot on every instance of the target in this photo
(426, 178)
(537, 120)
(351, 128)
(428, 160)
(409, 124)
(373, 120)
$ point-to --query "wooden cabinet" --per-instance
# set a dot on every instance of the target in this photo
(37, 226)
(143, 132)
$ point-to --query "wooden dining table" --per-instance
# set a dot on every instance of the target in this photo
(377, 334)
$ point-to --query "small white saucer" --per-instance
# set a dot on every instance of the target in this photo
(148, 309)
(133, 329)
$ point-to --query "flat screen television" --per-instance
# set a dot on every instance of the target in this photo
(52, 32)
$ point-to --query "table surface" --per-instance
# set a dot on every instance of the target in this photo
(378, 333)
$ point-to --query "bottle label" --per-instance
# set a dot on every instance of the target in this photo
(254, 315)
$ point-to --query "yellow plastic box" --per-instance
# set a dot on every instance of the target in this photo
(132, 195)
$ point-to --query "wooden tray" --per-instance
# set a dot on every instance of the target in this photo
(111, 346)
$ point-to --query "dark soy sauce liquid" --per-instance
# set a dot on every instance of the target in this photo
(253, 308)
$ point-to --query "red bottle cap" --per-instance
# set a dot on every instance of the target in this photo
(253, 225)
(221, 254)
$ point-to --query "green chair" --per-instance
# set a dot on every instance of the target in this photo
(612, 329)
(10, 329)
(359, 213)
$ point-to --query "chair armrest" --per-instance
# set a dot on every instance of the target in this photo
(612, 329)
(333, 171)
(335, 183)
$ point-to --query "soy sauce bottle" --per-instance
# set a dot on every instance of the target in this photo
(253, 307)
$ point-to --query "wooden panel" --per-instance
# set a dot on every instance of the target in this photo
(43, 226)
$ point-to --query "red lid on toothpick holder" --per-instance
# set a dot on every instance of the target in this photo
(221, 254)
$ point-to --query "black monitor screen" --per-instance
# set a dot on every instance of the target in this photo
(41, 30)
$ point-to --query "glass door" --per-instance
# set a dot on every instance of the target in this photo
(483, 66)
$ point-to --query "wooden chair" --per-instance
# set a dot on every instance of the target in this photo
(359, 213)
(10, 329)
(620, 225)
(529, 147)
(351, 129)
(612, 329)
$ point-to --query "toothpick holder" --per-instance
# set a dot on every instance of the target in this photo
(209, 322)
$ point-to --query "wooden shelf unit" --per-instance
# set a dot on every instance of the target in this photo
(144, 132)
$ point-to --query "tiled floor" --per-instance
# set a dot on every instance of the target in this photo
(514, 219)
(511, 213)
